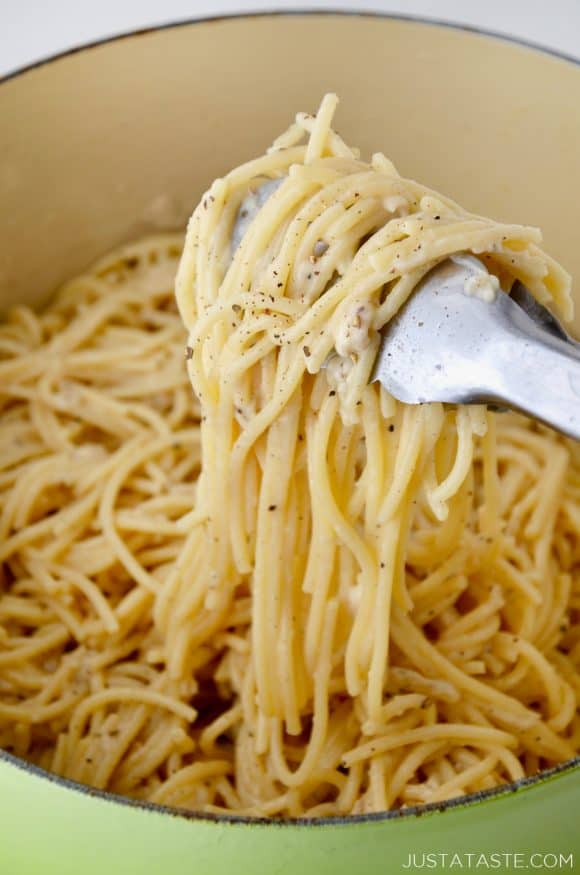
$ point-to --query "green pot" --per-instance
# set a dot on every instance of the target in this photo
(53, 827)
(118, 139)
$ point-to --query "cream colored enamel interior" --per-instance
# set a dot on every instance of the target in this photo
(108, 143)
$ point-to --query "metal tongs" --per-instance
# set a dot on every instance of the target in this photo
(504, 351)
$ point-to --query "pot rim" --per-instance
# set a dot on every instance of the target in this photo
(291, 13)
(417, 811)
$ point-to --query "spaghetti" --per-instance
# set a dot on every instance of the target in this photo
(291, 595)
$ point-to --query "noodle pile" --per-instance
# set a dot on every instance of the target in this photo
(288, 594)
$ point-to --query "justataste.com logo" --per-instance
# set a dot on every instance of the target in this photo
(481, 862)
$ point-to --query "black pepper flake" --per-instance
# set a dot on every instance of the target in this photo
(188, 353)
(320, 247)
(436, 218)
(306, 350)
(391, 427)
(279, 285)
(236, 308)
(272, 506)
(332, 393)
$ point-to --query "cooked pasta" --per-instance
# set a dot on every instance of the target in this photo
(283, 593)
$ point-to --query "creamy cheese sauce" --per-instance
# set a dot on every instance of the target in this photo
(479, 283)
(354, 334)
(338, 369)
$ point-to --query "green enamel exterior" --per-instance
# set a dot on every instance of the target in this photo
(47, 828)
